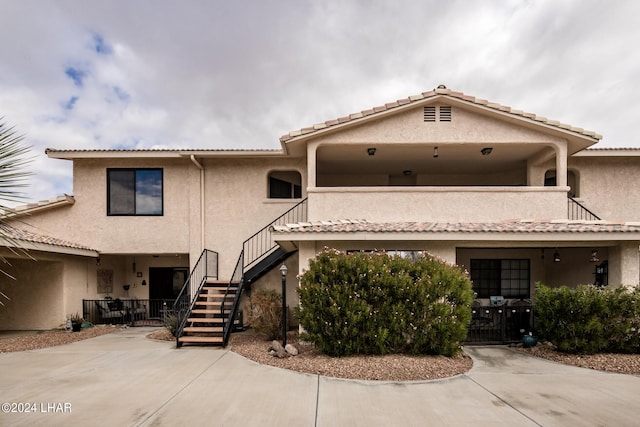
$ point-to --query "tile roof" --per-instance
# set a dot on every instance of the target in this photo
(17, 235)
(439, 91)
(38, 206)
(523, 226)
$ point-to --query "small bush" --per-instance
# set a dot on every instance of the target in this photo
(265, 313)
(587, 320)
(374, 303)
(172, 323)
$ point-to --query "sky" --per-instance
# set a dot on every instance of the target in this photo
(146, 74)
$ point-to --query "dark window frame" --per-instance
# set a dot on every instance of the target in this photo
(283, 189)
(136, 191)
(505, 277)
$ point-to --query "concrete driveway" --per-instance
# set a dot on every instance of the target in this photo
(124, 379)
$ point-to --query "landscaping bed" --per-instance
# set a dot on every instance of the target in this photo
(43, 339)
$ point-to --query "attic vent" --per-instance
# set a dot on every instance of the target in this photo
(430, 114)
(445, 114)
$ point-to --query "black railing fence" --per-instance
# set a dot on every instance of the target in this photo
(206, 267)
(126, 311)
(261, 243)
(500, 323)
(578, 212)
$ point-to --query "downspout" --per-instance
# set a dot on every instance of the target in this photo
(199, 166)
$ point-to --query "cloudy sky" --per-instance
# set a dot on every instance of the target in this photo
(239, 74)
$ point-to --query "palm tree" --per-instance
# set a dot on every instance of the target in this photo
(13, 178)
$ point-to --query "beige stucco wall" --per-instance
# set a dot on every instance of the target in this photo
(466, 126)
(426, 204)
(609, 186)
(237, 205)
(44, 291)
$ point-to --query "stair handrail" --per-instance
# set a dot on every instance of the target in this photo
(237, 280)
(261, 242)
(206, 267)
(577, 211)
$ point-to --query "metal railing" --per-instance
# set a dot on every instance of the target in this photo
(261, 244)
(206, 267)
(236, 280)
(500, 324)
(128, 311)
(578, 212)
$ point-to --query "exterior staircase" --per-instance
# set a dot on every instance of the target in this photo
(206, 320)
(208, 306)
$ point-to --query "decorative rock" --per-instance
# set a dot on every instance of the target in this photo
(277, 350)
(290, 349)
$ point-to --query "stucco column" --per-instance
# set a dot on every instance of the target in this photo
(624, 264)
(312, 148)
(561, 165)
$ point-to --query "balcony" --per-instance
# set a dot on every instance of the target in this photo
(447, 204)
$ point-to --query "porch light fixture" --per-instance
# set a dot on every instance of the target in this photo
(406, 173)
(556, 256)
(594, 256)
(486, 151)
(371, 151)
(435, 152)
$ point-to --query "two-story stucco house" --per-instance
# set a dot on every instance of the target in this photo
(513, 197)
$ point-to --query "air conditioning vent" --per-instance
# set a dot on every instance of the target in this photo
(430, 114)
(445, 114)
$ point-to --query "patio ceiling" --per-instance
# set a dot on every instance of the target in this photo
(452, 158)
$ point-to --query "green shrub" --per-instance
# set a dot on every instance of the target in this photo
(172, 323)
(265, 311)
(362, 303)
(587, 320)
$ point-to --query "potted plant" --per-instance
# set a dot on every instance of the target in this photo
(76, 322)
(529, 340)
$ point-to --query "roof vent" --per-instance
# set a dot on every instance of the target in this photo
(445, 113)
(429, 113)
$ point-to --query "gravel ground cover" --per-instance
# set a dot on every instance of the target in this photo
(609, 362)
(34, 341)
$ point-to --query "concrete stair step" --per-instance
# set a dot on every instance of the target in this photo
(215, 320)
(191, 339)
(204, 329)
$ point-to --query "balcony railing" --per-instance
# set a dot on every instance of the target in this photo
(130, 311)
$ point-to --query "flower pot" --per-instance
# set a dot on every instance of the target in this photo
(529, 341)
(75, 327)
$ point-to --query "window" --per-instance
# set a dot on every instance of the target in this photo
(285, 185)
(507, 277)
(134, 192)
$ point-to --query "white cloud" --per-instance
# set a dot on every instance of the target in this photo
(240, 74)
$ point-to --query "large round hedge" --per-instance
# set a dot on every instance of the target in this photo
(375, 303)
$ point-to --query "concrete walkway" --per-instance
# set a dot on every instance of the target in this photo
(123, 379)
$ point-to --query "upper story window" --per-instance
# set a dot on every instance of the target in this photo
(134, 192)
(285, 185)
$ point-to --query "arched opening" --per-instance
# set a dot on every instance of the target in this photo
(572, 181)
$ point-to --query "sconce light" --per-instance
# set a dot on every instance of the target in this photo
(144, 282)
(98, 261)
(435, 152)
(371, 151)
(556, 256)
(486, 151)
(126, 287)
(594, 256)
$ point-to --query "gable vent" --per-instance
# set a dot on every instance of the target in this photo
(445, 114)
(430, 114)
